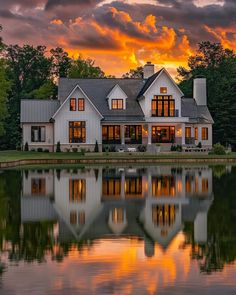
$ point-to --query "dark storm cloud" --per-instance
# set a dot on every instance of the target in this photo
(54, 3)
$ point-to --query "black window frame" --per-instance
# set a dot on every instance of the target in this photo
(72, 127)
(116, 100)
(137, 139)
(83, 104)
(39, 133)
(157, 137)
(105, 134)
(158, 106)
(71, 107)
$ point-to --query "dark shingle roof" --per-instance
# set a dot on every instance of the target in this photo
(37, 110)
(196, 113)
(148, 83)
(97, 91)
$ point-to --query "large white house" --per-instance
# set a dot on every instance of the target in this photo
(119, 112)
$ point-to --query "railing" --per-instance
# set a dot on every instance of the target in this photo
(189, 140)
(113, 141)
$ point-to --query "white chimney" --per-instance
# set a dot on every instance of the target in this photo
(200, 91)
(200, 228)
(148, 70)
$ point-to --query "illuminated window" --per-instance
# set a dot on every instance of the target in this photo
(196, 133)
(204, 133)
(133, 186)
(163, 90)
(111, 134)
(163, 134)
(163, 215)
(163, 186)
(81, 104)
(77, 190)
(38, 186)
(187, 132)
(77, 132)
(111, 187)
(73, 217)
(81, 217)
(163, 106)
(117, 104)
(133, 134)
(205, 185)
(38, 134)
(118, 215)
(73, 104)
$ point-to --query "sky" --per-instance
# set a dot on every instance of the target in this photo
(121, 34)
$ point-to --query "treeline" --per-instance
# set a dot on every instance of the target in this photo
(29, 72)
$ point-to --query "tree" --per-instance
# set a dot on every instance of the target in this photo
(61, 62)
(85, 68)
(134, 73)
(46, 91)
(218, 65)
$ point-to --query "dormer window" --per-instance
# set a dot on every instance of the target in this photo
(73, 104)
(117, 104)
(81, 104)
(163, 90)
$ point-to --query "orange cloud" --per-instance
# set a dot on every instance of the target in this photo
(57, 22)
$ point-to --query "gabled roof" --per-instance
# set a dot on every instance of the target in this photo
(98, 89)
(39, 111)
(113, 89)
(196, 113)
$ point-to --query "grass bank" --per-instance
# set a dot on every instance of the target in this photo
(18, 158)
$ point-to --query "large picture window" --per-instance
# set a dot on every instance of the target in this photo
(133, 186)
(133, 134)
(117, 104)
(111, 187)
(163, 106)
(77, 132)
(77, 190)
(38, 134)
(163, 186)
(111, 134)
(162, 134)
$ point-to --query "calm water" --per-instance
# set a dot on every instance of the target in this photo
(119, 230)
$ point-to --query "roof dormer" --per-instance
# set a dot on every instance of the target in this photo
(117, 98)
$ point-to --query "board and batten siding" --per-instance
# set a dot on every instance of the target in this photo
(26, 127)
(89, 115)
(146, 104)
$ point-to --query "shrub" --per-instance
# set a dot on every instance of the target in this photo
(67, 150)
(218, 149)
(142, 148)
(26, 148)
(179, 148)
(96, 148)
(75, 150)
(58, 149)
(173, 148)
(199, 145)
(82, 150)
(39, 150)
(112, 148)
(46, 150)
(18, 148)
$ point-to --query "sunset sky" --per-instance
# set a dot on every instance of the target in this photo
(121, 34)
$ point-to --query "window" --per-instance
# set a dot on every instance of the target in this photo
(163, 106)
(187, 132)
(163, 134)
(81, 104)
(73, 104)
(205, 185)
(163, 186)
(133, 134)
(111, 187)
(73, 217)
(118, 215)
(204, 133)
(111, 134)
(163, 90)
(77, 190)
(196, 133)
(163, 215)
(38, 133)
(81, 217)
(117, 104)
(133, 186)
(77, 132)
(38, 186)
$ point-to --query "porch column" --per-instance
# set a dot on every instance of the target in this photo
(122, 127)
(123, 185)
(183, 134)
(149, 134)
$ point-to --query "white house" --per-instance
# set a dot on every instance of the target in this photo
(119, 112)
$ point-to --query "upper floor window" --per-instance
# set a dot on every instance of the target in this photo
(163, 106)
(73, 104)
(163, 90)
(77, 132)
(81, 104)
(204, 133)
(117, 104)
(38, 134)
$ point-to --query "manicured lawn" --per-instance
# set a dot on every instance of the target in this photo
(18, 155)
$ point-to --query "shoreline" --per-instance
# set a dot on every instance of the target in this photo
(134, 159)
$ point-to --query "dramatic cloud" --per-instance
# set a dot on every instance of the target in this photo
(121, 34)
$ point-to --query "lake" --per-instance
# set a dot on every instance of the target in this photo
(118, 230)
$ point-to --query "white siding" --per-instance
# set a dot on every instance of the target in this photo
(89, 115)
(162, 81)
(117, 93)
(27, 134)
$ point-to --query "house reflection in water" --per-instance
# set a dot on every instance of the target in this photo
(152, 203)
